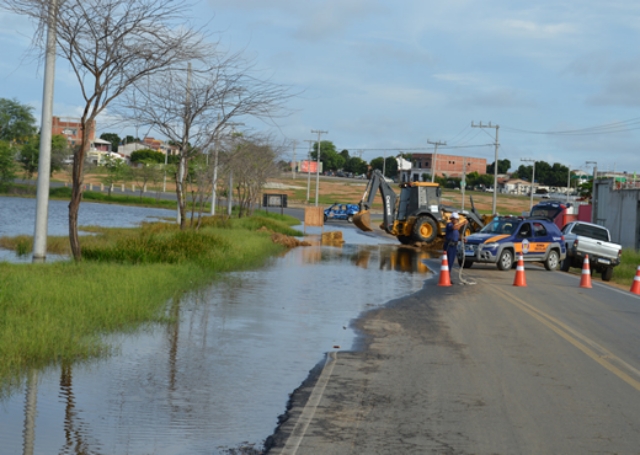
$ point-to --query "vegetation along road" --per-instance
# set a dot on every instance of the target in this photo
(486, 369)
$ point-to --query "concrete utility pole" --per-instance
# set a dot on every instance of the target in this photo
(533, 179)
(44, 161)
(594, 199)
(463, 182)
(435, 158)
(318, 169)
(495, 170)
(293, 163)
(310, 141)
(384, 163)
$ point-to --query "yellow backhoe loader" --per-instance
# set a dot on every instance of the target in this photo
(417, 216)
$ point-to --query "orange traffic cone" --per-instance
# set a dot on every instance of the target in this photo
(520, 279)
(635, 287)
(585, 281)
(445, 279)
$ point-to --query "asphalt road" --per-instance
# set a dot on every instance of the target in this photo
(550, 368)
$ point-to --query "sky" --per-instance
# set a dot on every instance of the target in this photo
(560, 78)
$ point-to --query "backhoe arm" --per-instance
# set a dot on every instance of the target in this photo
(376, 183)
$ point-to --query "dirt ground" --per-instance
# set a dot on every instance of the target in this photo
(351, 191)
(345, 190)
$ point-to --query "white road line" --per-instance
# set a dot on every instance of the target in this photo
(302, 425)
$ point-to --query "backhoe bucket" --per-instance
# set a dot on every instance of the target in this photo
(362, 219)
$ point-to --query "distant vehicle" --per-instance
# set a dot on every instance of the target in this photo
(537, 239)
(339, 211)
(583, 239)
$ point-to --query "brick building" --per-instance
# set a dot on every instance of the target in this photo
(449, 165)
(71, 129)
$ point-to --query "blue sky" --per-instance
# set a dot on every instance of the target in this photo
(393, 75)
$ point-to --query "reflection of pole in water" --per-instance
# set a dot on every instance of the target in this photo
(30, 409)
(174, 331)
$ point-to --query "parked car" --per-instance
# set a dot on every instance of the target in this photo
(583, 239)
(339, 211)
(538, 239)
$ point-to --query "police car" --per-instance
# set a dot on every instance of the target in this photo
(504, 238)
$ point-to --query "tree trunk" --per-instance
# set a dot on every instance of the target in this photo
(180, 190)
(76, 190)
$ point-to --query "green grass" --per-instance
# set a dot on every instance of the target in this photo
(626, 271)
(59, 312)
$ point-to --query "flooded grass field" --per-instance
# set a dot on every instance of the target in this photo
(217, 379)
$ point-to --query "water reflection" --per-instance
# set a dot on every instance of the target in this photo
(220, 373)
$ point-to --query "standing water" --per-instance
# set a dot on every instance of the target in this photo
(217, 379)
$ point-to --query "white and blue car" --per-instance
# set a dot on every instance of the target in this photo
(343, 212)
(505, 237)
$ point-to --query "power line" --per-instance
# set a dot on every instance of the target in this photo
(609, 128)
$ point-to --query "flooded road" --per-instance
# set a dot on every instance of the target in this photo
(216, 380)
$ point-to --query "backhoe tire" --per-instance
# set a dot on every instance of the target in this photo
(404, 239)
(425, 229)
(505, 261)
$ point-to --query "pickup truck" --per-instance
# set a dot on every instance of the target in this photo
(594, 240)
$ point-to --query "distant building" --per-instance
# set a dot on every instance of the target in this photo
(71, 128)
(449, 165)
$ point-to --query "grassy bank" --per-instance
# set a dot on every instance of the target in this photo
(58, 312)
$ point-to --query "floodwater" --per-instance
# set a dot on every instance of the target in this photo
(217, 379)
(17, 217)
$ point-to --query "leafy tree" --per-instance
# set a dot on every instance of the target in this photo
(7, 163)
(377, 163)
(131, 140)
(113, 138)
(117, 171)
(356, 165)
(503, 167)
(30, 154)
(140, 156)
(16, 121)
(330, 159)
(345, 154)
(390, 165)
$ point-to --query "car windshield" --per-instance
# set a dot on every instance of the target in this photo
(500, 226)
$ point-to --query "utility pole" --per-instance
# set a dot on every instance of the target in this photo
(463, 182)
(310, 141)
(435, 158)
(293, 163)
(533, 179)
(594, 199)
(44, 162)
(495, 170)
(318, 168)
(568, 182)
(384, 163)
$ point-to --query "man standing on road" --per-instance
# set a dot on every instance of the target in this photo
(452, 237)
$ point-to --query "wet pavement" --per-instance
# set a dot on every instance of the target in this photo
(218, 379)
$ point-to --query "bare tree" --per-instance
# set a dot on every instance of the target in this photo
(110, 45)
(255, 162)
(191, 106)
